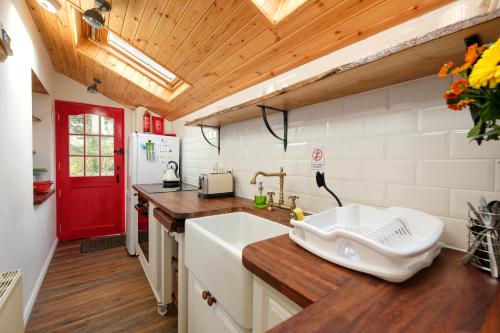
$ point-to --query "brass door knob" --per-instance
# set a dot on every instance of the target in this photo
(211, 300)
(205, 294)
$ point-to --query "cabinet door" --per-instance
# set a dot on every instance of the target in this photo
(270, 307)
(207, 319)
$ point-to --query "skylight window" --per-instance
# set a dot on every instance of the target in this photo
(145, 61)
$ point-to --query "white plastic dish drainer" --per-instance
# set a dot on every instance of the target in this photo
(392, 244)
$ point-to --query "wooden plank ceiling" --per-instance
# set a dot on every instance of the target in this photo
(218, 47)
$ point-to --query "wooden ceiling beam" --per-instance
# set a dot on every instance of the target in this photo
(307, 45)
(219, 46)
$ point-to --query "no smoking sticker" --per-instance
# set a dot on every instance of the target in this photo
(317, 158)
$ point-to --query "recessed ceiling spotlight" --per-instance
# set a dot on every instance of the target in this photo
(92, 89)
(93, 16)
(52, 6)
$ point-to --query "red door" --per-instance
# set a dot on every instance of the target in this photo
(89, 144)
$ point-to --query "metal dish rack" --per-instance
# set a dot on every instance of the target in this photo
(484, 243)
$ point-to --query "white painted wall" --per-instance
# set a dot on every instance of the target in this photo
(43, 134)
(27, 234)
(393, 146)
(138, 120)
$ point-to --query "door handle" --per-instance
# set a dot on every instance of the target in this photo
(117, 177)
(120, 151)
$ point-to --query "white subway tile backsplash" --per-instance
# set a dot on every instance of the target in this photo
(423, 93)
(428, 199)
(327, 110)
(333, 149)
(363, 192)
(266, 151)
(455, 233)
(442, 118)
(465, 174)
(390, 171)
(309, 132)
(364, 148)
(299, 117)
(371, 102)
(344, 169)
(296, 150)
(419, 146)
(497, 175)
(305, 185)
(462, 147)
(345, 128)
(459, 198)
(289, 166)
(391, 123)
(396, 146)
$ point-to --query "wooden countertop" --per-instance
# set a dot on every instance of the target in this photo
(445, 297)
(186, 204)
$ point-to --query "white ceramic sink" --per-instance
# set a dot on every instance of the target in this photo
(213, 254)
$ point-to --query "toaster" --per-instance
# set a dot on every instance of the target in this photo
(216, 185)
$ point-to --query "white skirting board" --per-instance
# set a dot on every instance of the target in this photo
(29, 307)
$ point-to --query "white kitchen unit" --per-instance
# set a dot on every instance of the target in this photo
(150, 254)
(156, 261)
(214, 246)
(270, 307)
(174, 242)
(208, 318)
(145, 170)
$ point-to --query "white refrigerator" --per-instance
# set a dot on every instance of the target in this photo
(143, 171)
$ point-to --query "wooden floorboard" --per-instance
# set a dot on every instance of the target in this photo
(101, 291)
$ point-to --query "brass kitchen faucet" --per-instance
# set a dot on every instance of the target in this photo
(281, 200)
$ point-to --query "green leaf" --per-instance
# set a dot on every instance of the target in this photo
(475, 132)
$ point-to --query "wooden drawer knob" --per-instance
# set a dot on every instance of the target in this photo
(211, 300)
(205, 294)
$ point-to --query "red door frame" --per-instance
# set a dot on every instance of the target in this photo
(119, 114)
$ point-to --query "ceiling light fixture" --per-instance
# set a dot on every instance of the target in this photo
(93, 16)
(92, 89)
(52, 6)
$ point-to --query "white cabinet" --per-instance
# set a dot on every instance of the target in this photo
(204, 318)
(270, 307)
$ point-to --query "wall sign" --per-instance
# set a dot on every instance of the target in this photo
(317, 158)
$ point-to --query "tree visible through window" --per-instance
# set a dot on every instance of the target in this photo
(91, 145)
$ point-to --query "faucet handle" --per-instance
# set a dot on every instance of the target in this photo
(270, 200)
(293, 198)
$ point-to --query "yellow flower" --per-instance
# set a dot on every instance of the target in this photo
(486, 72)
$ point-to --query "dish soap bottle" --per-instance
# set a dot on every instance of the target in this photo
(260, 200)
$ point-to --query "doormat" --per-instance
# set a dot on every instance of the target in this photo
(102, 243)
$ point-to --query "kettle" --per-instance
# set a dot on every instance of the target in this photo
(171, 178)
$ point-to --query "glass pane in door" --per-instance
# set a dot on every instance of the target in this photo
(107, 166)
(107, 145)
(76, 166)
(91, 124)
(92, 145)
(91, 166)
(107, 126)
(75, 124)
(76, 144)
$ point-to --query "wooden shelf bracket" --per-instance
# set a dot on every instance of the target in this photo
(285, 124)
(208, 141)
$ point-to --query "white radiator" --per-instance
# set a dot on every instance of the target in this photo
(11, 303)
